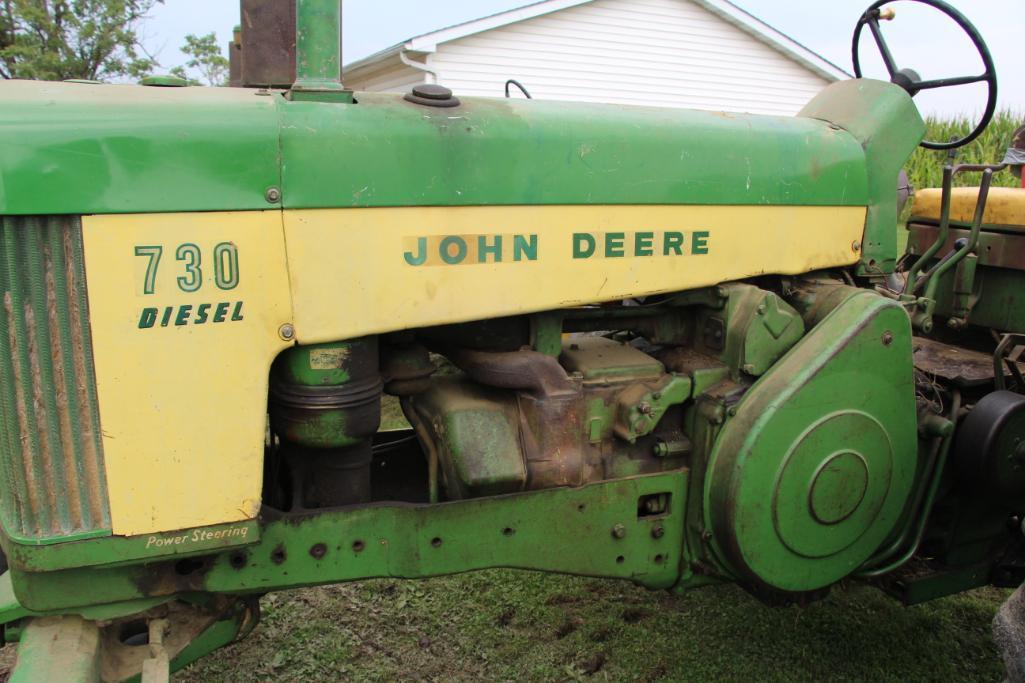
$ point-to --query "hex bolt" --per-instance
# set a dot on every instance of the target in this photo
(658, 532)
(619, 531)
(644, 408)
(855, 245)
(273, 195)
(287, 332)
(761, 309)
(887, 338)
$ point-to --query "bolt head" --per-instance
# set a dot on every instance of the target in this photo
(887, 338)
(273, 195)
(644, 408)
(658, 532)
(619, 531)
(855, 245)
(287, 332)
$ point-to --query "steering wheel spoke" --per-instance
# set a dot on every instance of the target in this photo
(884, 49)
(907, 79)
(950, 82)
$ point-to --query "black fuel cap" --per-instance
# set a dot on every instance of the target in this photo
(432, 95)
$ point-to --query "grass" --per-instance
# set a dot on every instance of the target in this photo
(503, 625)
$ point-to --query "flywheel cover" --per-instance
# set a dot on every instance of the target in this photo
(811, 475)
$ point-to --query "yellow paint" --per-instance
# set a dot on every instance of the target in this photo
(1005, 206)
(350, 278)
(183, 408)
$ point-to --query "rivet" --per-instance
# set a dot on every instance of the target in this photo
(287, 332)
(273, 195)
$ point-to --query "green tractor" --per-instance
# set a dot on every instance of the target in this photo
(681, 348)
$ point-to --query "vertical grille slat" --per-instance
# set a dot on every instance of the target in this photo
(52, 460)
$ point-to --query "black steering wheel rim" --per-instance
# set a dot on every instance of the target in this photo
(870, 18)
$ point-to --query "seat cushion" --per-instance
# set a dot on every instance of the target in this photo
(1005, 206)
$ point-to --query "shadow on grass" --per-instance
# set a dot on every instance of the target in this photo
(508, 625)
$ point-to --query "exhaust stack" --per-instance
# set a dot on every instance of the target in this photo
(292, 44)
(318, 48)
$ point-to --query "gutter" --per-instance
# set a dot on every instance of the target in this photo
(432, 76)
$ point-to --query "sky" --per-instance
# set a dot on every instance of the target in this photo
(919, 37)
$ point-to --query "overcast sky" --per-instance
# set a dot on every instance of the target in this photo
(919, 37)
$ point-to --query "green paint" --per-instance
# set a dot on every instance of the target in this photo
(804, 484)
(118, 549)
(643, 242)
(883, 118)
(41, 264)
(699, 243)
(318, 46)
(614, 244)
(65, 648)
(453, 250)
(411, 541)
(192, 260)
(201, 149)
(634, 155)
(220, 149)
(163, 82)
(152, 255)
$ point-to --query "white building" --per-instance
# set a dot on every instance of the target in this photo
(699, 54)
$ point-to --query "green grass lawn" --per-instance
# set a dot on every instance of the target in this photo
(510, 626)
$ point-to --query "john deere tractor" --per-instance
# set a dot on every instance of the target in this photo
(680, 348)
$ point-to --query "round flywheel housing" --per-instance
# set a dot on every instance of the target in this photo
(810, 476)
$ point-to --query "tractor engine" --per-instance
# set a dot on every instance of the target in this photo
(736, 385)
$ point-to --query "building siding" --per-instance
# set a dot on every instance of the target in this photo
(670, 53)
(391, 76)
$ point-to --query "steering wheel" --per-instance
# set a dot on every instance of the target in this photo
(910, 80)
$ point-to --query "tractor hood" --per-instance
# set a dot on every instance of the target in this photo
(72, 148)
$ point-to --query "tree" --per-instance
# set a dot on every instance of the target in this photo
(205, 57)
(62, 39)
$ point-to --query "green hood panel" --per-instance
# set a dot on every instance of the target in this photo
(81, 149)
(388, 152)
(73, 148)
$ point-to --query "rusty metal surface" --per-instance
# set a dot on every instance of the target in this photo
(52, 459)
(268, 43)
(962, 367)
(996, 249)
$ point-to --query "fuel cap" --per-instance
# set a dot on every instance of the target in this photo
(432, 95)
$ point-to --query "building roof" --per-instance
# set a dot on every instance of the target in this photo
(726, 10)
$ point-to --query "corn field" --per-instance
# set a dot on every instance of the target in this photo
(925, 168)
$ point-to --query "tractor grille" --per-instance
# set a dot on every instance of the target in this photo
(51, 457)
